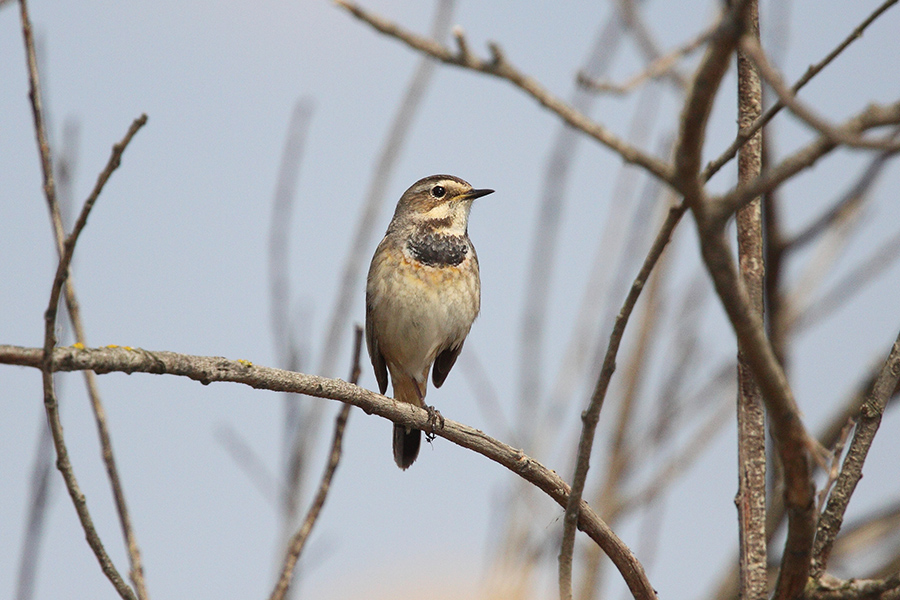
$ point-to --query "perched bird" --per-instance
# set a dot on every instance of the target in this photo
(422, 295)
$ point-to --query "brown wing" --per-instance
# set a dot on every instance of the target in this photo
(381, 374)
(443, 363)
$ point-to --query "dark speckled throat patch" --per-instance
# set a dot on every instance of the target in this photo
(437, 250)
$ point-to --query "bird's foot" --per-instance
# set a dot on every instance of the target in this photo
(435, 421)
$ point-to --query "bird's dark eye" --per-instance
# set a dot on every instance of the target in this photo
(438, 191)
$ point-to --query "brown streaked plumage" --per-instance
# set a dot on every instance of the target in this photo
(422, 294)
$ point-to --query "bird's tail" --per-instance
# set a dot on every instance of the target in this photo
(406, 439)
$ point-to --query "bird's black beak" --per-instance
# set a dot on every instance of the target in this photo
(472, 194)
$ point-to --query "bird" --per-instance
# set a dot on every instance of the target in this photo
(423, 292)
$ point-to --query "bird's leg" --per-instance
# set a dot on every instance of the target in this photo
(435, 419)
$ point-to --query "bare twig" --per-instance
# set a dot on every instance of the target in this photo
(713, 167)
(280, 227)
(297, 543)
(52, 407)
(382, 171)
(656, 69)
(831, 588)
(867, 426)
(209, 369)
(40, 490)
(614, 262)
(873, 116)
(499, 66)
(845, 204)
(136, 572)
(249, 462)
(545, 240)
(786, 96)
(591, 416)
(751, 416)
(852, 283)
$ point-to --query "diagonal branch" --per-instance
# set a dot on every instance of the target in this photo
(591, 416)
(499, 66)
(869, 420)
(298, 542)
(806, 114)
(713, 167)
(52, 407)
(658, 68)
(72, 306)
(871, 117)
(209, 369)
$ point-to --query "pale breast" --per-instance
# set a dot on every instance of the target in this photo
(418, 309)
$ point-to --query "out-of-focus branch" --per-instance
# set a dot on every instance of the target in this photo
(832, 588)
(499, 66)
(845, 204)
(852, 283)
(209, 369)
(298, 542)
(752, 49)
(751, 416)
(871, 117)
(868, 421)
(656, 69)
(646, 41)
(591, 416)
(713, 167)
(530, 425)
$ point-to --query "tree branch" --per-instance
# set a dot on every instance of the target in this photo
(869, 420)
(52, 407)
(591, 416)
(751, 416)
(754, 51)
(871, 117)
(713, 167)
(209, 369)
(789, 433)
(499, 66)
(298, 542)
(656, 69)
(40, 128)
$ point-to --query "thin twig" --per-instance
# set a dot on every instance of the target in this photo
(871, 117)
(209, 369)
(845, 204)
(786, 96)
(591, 416)
(656, 69)
(557, 177)
(867, 426)
(136, 571)
(851, 284)
(499, 66)
(713, 167)
(52, 407)
(297, 543)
